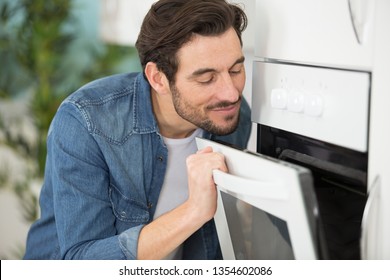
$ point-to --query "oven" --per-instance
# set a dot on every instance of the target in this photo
(318, 118)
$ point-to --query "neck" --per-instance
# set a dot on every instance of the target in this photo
(170, 124)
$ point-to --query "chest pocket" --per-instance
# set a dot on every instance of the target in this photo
(128, 212)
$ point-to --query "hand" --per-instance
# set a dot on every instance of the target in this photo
(201, 186)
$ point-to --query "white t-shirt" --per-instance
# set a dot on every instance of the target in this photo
(175, 188)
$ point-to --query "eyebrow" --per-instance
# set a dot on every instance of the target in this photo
(202, 71)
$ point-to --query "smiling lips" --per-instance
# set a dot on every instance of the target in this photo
(226, 107)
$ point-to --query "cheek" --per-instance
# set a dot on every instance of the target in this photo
(239, 82)
(193, 96)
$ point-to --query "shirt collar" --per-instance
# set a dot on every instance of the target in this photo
(144, 118)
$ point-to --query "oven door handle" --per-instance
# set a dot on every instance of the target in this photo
(327, 166)
(250, 187)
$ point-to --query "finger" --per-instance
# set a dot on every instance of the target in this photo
(205, 150)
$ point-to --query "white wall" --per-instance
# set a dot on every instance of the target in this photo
(379, 155)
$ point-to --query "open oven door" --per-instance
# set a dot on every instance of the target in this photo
(267, 208)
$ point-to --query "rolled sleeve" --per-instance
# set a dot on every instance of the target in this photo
(128, 241)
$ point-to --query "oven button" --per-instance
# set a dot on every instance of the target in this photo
(279, 98)
(314, 105)
(296, 101)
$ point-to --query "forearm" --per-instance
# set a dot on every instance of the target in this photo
(163, 235)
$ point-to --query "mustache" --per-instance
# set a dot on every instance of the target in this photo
(223, 104)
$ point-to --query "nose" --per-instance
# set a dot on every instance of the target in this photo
(229, 89)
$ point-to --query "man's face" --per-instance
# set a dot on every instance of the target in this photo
(209, 82)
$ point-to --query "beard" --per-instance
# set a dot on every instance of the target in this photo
(198, 117)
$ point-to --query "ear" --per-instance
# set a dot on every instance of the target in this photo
(157, 79)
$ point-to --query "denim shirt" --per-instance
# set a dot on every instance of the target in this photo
(105, 167)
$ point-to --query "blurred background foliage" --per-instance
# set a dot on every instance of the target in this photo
(46, 53)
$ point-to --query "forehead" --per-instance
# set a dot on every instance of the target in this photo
(214, 52)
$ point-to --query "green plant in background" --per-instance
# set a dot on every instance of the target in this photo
(44, 58)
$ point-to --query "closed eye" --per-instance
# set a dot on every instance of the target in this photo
(206, 78)
(208, 81)
(236, 69)
(235, 72)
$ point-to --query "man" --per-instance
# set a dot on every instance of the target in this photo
(123, 179)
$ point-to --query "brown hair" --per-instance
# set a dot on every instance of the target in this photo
(170, 24)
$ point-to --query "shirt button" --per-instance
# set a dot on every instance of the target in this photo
(150, 205)
(123, 214)
(160, 158)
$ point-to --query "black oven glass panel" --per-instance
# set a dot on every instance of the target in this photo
(256, 234)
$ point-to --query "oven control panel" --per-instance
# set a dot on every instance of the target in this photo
(330, 105)
(297, 101)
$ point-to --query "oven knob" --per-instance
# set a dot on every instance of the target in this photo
(296, 102)
(279, 98)
(314, 105)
